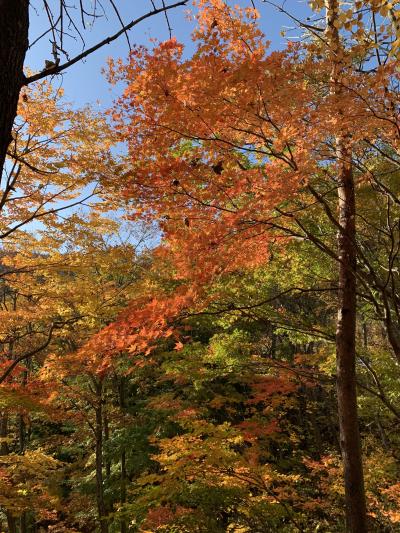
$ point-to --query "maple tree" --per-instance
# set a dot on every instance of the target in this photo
(51, 169)
(52, 290)
(194, 120)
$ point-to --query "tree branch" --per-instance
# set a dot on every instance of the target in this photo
(57, 69)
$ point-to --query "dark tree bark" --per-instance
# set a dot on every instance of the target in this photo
(106, 438)
(123, 476)
(346, 351)
(123, 525)
(14, 24)
(350, 444)
(11, 523)
(4, 450)
(23, 526)
(101, 507)
(4, 434)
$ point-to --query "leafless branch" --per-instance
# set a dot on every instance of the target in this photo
(57, 69)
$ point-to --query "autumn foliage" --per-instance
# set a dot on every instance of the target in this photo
(189, 386)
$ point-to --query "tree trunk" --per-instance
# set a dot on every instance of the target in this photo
(101, 508)
(11, 523)
(14, 23)
(346, 352)
(23, 523)
(123, 525)
(106, 438)
(356, 519)
(4, 450)
(21, 422)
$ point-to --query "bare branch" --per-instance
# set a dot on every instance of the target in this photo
(57, 69)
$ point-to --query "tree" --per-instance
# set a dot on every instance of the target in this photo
(347, 292)
(14, 45)
(52, 273)
(193, 120)
(14, 29)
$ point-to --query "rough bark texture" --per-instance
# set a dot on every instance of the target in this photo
(356, 519)
(14, 22)
(346, 351)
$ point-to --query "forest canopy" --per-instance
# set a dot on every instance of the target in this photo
(199, 284)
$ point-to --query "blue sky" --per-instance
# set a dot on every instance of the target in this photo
(84, 82)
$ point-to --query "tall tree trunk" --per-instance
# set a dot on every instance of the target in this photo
(4, 450)
(21, 422)
(356, 521)
(106, 438)
(101, 508)
(346, 352)
(123, 526)
(14, 23)
(123, 476)
(11, 523)
(23, 528)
